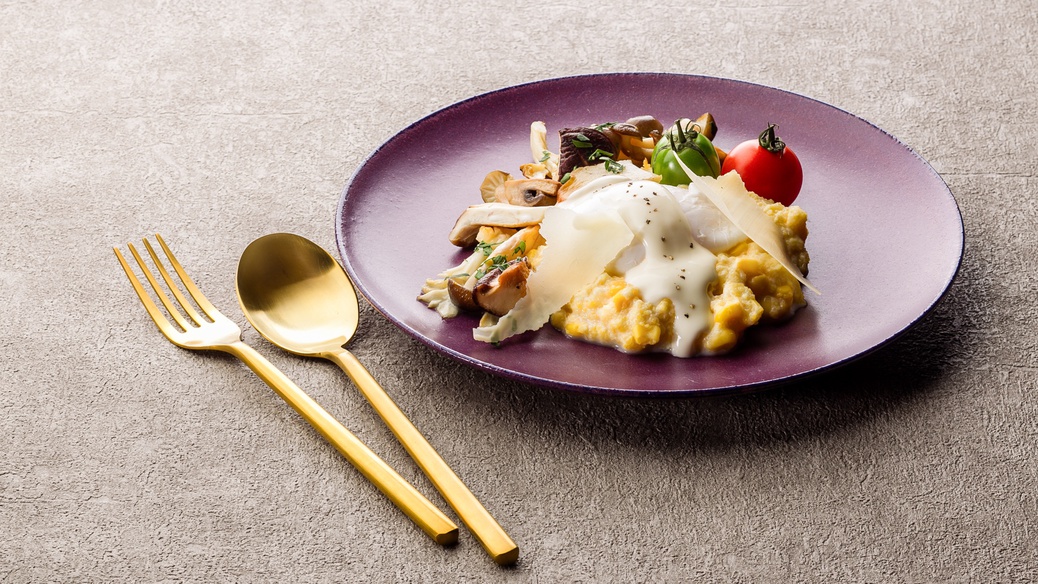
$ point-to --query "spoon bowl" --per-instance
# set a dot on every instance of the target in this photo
(298, 297)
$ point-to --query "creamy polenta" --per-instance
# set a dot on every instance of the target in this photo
(751, 287)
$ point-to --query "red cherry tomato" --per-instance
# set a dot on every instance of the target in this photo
(767, 166)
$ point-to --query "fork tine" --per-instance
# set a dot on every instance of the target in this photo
(203, 302)
(171, 309)
(154, 312)
(188, 308)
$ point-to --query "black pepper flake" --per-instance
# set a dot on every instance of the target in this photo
(682, 277)
(647, 221)
(686, 315)
(691, 246)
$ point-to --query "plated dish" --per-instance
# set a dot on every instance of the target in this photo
(886, 234)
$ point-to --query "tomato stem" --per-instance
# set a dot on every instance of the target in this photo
(770, 142)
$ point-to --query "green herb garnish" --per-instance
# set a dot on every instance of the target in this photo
(485, 247)
(581, 141)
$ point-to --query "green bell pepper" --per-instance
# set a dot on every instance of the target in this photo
(685, 140)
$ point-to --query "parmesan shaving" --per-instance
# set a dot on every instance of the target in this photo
(578, 248)
(729, 194)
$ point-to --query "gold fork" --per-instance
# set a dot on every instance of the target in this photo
(211, 330)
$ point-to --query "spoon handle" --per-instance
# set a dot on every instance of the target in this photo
(472, 513)
(432, 521)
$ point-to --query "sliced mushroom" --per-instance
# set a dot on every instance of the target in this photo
(460, 295)
(707, 125)
(577, 145)
(493, 214)
(535, 192)
(648, 126)
(616, 132)
(499, 290)
(635, 138)
(492, 183)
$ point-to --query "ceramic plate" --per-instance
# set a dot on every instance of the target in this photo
(886, 236)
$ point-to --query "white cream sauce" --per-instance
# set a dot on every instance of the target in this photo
(664, 260)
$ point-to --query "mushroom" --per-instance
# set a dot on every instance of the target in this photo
(492, 184)
(499, 290)
(707, 125)
(460, 295)
(493, 214)
(531, 192)
(577, 145)
(648, 126)
(545, 159)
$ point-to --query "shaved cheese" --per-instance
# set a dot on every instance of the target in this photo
(578, 247)
(729, 194)
(710, 227)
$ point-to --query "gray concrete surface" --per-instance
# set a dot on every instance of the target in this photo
(123, 458)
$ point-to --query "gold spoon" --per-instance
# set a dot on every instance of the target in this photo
(298, 297)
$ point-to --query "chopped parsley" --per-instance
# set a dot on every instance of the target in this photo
(485, 247)
(581, 141)
(607, 158)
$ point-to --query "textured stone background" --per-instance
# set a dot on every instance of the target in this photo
(123, 458)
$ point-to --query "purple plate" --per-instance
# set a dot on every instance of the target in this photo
(886, 235)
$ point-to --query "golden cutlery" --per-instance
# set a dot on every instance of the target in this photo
(299, 298)
(216, 332)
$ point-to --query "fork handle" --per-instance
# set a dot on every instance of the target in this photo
(432, 521)
(483, 526)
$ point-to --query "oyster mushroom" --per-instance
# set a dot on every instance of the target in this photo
(532, 192)
(499, 290)
(547, 162)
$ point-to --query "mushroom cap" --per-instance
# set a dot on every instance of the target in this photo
(499, 290)
(531, 192)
